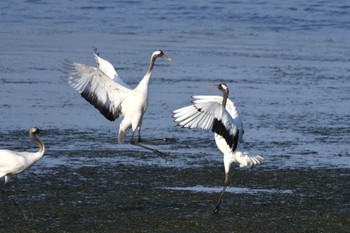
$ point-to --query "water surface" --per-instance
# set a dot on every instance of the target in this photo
(287, 66)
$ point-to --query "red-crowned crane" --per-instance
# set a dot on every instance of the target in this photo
(218, 114)
(104, 89)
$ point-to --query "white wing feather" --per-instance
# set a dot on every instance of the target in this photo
(107, 68)
(203, 114)
(96, 87)
(230, 106)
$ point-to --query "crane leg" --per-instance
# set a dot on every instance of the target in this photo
(217, 208)
(14, 201)
(20, 208)
(157, 152)
(4, 189)
(132, 138)
(139, 138)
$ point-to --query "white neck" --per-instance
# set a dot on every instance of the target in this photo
(143, 85)
(40, 153)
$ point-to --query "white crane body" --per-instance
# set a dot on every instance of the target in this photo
(106, 91)
(15, 162)
(218, 114)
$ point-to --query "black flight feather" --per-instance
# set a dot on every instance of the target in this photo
(92, 98)
(219, 128)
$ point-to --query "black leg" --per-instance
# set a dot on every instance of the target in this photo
(14, 202)
(217, 208)
(132, 138)
(20, 208)
(139, 138)
(4, 190)
(157, 152)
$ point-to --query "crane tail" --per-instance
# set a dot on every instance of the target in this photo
(123, 128)
(246, 160)
(121, 136)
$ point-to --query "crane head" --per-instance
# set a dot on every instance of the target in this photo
(222, 87)
(36, 130)
(161, 54)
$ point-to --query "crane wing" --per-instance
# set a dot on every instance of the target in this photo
(230, 106)
(96, 87)
(107, 68)
(209, 115)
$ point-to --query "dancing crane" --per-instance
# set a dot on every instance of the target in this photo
(106, 91)
(14, 162)
(219, 114)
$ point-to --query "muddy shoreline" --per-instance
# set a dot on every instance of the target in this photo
(287, 67)
(120, 198)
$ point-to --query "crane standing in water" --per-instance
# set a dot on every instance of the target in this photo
(104, 89)
(15, 162)
(220, 115)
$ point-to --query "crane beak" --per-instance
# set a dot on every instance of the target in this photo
(42, 131)
(167, 58)
(214, 86)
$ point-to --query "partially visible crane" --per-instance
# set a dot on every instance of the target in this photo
(15, 162)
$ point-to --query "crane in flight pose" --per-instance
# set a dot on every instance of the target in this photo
(218, 114)
(102, 87)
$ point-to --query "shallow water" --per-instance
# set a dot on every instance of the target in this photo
(199, 188)
(287, 66)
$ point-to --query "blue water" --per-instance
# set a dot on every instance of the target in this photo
(287, 66)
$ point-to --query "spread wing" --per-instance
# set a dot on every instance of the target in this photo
(230, 108)
(209, 115)
(107, 68)
(96, 87)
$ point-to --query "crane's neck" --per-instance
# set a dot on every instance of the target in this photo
(143, 85)
(224, 99)
(40, 143)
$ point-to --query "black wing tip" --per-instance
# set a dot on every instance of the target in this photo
(92, 99)
(235, 140)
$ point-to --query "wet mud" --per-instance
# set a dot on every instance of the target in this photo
(133, 198)
(287, 67)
